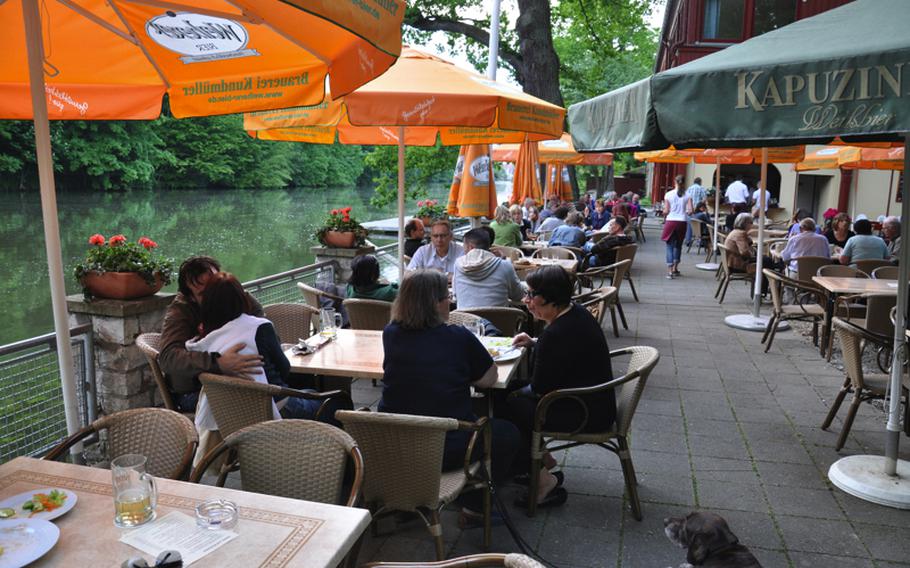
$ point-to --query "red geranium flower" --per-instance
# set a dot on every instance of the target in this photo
(117, 240)
(96, 239)
(148, 243)
(334, 212)
(346, 210)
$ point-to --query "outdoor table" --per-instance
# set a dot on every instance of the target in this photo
(358, 353)
(839, 286)
(531, 264)
(530, 246)
(273, 531)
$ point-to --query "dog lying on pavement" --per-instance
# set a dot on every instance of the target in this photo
(709, 541)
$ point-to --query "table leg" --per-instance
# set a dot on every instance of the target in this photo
(829, 316)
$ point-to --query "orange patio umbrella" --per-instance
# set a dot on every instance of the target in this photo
(421, 99)
(524, 181)
(473, 191)
(558, 183)
(561, 150)
(116, 59)
(853, 157)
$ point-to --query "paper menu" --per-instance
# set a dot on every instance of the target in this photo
(177, 531)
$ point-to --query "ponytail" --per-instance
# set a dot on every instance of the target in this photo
(680, 190)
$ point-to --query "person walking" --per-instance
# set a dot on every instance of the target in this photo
(677, 207)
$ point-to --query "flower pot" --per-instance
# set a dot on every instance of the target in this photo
(340, 239)
(119, 285)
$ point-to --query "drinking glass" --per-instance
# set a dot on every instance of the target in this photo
(329, 321)
(477, 328)
(135, 494)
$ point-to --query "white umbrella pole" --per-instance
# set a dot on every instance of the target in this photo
(35, 47)
(401, 266)
(759, 257)
(715, 242)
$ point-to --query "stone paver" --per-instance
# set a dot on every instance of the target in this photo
(722, 426)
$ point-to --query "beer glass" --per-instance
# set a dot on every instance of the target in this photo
(329, 321)
(135, 494)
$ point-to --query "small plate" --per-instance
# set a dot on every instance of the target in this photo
(26, 540)
(16, 502)
(510, 355)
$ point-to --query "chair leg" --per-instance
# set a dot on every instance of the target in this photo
(632, 286)
(622, 315)
(830, 346)
(723, 292)
(848, 422)
(835, 406)
(815, 333)
(767, 332)
(487, 516)
(628, 472)
(436, 530)
(534, 474)
(613, 317)
(720, 284)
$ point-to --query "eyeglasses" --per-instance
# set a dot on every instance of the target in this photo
(531, 294)
(441, 236)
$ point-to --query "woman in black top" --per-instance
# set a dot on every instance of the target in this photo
(571, 352)
(839, 232)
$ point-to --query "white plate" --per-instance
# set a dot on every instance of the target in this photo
(25, 540)
(16, 502)
(510, 355)
(504, 345)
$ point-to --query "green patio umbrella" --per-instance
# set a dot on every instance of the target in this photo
(841, 73)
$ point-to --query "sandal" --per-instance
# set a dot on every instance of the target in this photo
(554, 498)
(468, 519)
(525, 478)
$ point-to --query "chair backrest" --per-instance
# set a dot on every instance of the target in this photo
(850, 337)
(166, 438)
(292, 322)
(507, 320)
(462, 318)
(555, 252)
(237, 403)
(643, 361)
(148, 343)
(368, 314)
(311, 294)
(299, 459)
(885, 273)
(596, 237)
(869, 265)
(841, 271)
(878, 308)
(695, 225)
(774, 285)
(596, 301)
(626, 252)
(511, 253)
(402, 456)
(807, 267)
(620, 267)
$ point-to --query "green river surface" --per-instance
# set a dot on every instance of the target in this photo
(253, 233)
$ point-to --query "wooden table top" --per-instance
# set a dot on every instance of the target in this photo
(841, 285)
(273, 531)
(358, 353)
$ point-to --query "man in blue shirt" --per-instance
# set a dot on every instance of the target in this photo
(806, 243)
(864, 245)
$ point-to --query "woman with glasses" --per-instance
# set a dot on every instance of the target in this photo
(429, 368)
(571, 352)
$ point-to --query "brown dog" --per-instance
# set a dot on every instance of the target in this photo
(709, 541)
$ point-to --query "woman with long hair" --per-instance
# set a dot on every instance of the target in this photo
(840, 232)
(507, 232)
(677, 207)
(365, 282)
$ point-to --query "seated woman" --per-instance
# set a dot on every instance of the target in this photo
(365, 283)
(572, 234)
(739, 241)
(429, 368)
(571, 352)
(523, 224)
(839, 232)
(226, 321)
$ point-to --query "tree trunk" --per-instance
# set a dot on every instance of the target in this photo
(539, 71)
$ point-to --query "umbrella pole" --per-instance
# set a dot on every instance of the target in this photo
(35, 46)
(401, 266)
(714, 243)
(886, 479)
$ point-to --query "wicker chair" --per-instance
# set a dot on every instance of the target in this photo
(807, 267)
(885, 273)
(167, 438)
(619, 270)
(511, 253)
(841, 271)
(698, 240)
(314, 296)
(298, 459)
(292, 321)
(870, 265)
(628, 392)
(507, 320)
(627, 252)
(807, 308)
(727, 275)
(864, 386)
(555, 252)
(473, 561)
(149, 343)
(403, 459)
(368, 314)
(635, 228)
(462, 318)
(597, 302)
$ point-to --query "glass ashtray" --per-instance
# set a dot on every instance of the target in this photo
(216, 514)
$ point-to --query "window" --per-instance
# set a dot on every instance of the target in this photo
(772, 14)
(723, 19)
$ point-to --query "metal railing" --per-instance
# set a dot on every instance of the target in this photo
(282, 287)
(32, 419)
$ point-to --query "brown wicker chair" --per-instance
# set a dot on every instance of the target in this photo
(869, 265)
(885, 273)
(511, 253)
(298, 459)
(555, 252)
(313, 295)
(462, 318)
(368, 314)
(166, 438)
(627, 252)
(292, 321)
(473, 561)
(507, 320)
(628, 392)
(403, 460)
(596, 302)
(149, 343)
(727, 274)
(864, 386)
(841, 271)
(807, 267)
(618, 270)
(698, 240)
(807, 308)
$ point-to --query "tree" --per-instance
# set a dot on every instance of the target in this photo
(422, 165)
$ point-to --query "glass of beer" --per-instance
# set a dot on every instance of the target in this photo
(330, 321)
(135, 494)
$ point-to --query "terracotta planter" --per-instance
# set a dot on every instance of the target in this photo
(119, 285)
(340, 239)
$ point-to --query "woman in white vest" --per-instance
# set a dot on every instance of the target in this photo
(677, 207)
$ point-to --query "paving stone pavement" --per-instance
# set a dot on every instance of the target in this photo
(722, 426)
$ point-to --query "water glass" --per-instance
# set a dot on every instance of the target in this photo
(329, 321)
(135, 494)
(477, 328)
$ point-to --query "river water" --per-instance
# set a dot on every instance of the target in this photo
(253, 233)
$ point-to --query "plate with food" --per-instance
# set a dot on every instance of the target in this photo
(22, 541)
(500, 349)
(45, 504)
